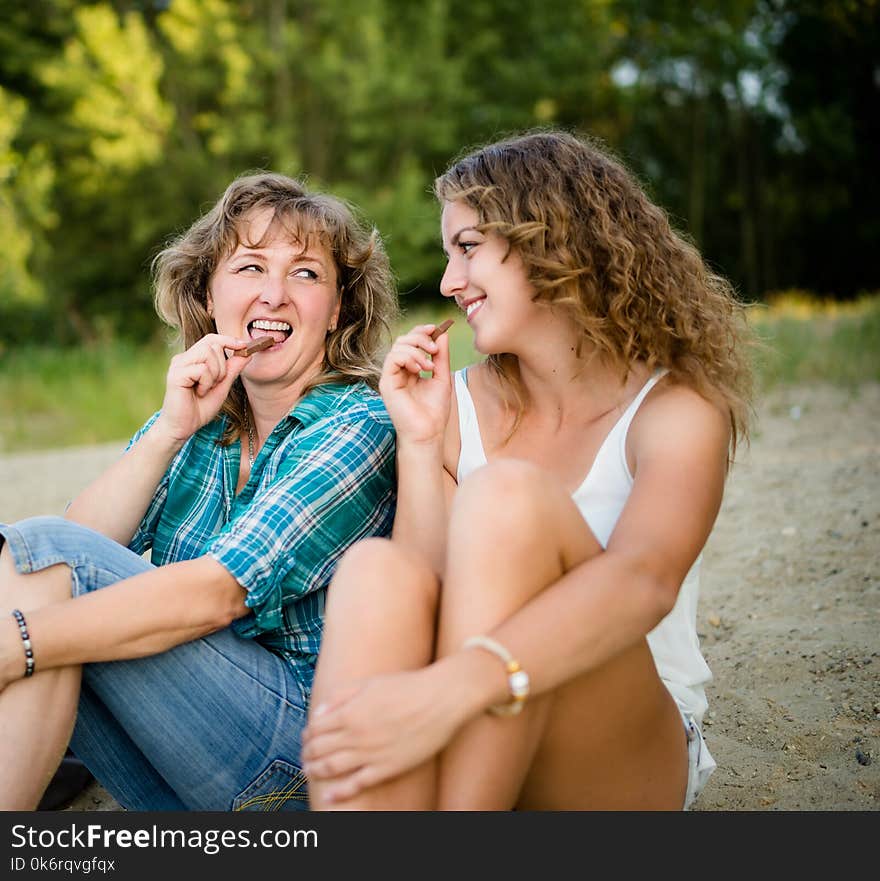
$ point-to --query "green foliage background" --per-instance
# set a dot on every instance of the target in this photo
(754, 122)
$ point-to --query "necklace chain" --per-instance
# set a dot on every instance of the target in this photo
(251, 441)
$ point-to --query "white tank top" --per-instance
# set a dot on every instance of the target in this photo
(600, 499)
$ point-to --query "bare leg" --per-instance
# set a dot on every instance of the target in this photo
(381, 613)
(612, 738)
(36, 714)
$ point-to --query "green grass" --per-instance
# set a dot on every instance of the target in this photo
(56, 398)
(805, 340)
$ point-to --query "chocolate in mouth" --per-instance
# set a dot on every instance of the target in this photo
(263, 331)
(259, 344)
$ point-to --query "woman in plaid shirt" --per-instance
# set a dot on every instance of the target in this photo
(185, 680)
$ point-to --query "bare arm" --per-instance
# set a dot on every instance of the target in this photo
(424, 491)
(141, 615)
(419, 408)
(679, 447)
(196, 386)
(115, 502)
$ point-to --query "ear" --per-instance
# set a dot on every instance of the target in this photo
(334, 318)
(209, 304)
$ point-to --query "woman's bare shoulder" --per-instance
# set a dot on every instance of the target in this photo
(676, 416)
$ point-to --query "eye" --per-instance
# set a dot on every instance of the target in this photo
(306, 273)
(466, 247)
(250, 268)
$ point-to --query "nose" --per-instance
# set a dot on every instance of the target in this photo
(454, 279)
(274, 292)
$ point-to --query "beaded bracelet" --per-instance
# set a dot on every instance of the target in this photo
(25, 638)
(517, 678)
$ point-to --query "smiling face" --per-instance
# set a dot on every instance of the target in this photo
(277, 289)
(488, 281)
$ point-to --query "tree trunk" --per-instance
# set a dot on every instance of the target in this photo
(746, 216)
(697, 196)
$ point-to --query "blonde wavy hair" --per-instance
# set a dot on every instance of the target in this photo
(369, 305)
(594, 244)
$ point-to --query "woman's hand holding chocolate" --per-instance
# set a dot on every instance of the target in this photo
(418, 405)
(198, 382)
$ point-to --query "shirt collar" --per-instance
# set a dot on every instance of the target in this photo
(318, 402)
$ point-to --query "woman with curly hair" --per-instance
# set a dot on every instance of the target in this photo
(527, 639)
(271, 455)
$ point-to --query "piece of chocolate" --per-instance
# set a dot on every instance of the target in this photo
(258, 345)
(441, 328)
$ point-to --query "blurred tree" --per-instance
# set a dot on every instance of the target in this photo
(111, 127)
(701, 91)
(25, 211)
(30, 33)
(829, 187)
(534, 64)
(754, 122)
(365, 100)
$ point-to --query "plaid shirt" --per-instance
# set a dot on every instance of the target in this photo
(324, 479)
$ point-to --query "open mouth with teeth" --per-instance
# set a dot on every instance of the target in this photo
(474, 306)
(278, 330)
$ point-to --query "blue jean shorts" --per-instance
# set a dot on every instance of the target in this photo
(211, 725)
(700, 761)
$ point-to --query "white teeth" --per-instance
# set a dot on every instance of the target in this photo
(270, 325)
(472, 307)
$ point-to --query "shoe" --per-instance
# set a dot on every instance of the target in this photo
(69, 781)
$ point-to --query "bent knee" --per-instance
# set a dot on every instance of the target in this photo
(508, 492)
(32, 589)
(384, 555)
(377, 571)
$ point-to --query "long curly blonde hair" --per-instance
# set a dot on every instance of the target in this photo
(369, 305)
(594, 244)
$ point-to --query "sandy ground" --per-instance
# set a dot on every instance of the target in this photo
(790, 607)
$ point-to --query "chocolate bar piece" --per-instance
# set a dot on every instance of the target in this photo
(441, 328)
(258, 345)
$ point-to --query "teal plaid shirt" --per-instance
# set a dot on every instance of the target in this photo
(324, 479)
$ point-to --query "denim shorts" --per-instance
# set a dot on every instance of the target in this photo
(211, 725)
(700, 761)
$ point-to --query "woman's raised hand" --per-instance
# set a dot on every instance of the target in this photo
(197, 383)
(418, 406)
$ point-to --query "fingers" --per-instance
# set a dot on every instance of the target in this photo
(411, 351)
(335, 764)
(349, 786)
(326, 753)
(331, 755)
(332, 740)
(403, 356)
(213, 372)
(440, 365)
(344, 771)
(420, 336)
(204, 365)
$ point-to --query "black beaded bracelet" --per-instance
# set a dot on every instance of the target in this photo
(25, 638)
